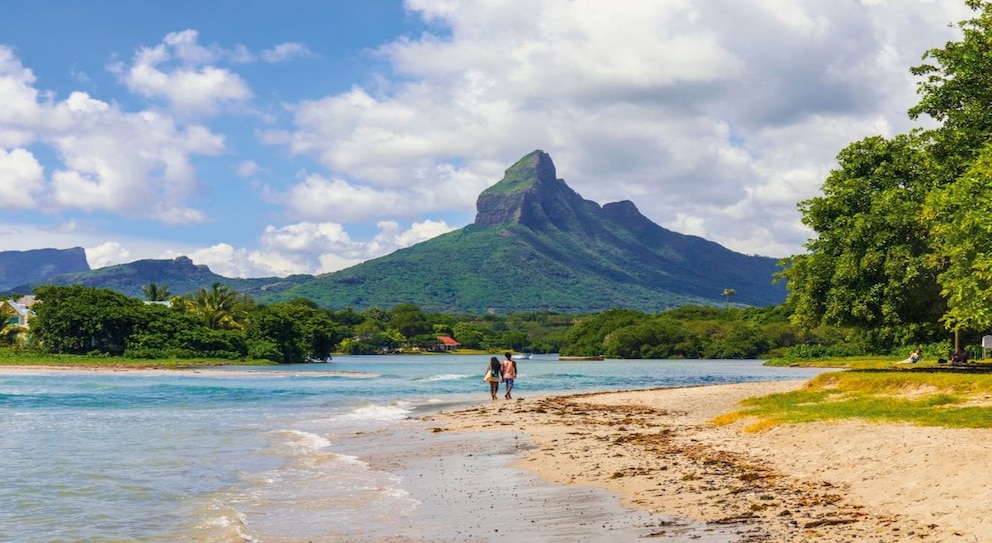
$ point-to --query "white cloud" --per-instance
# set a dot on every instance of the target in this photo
(194, 86)
(107, 254)
(314, 248)
(286, 51)
(21, 179)
(714, 117)
(153, 179)
(318, 198)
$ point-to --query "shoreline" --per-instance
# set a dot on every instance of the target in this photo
(830, 482)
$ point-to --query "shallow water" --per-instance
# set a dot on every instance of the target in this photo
(260, 454)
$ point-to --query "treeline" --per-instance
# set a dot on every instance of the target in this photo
(222, 323)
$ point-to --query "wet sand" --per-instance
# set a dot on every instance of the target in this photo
(470, 491)
(836, 482)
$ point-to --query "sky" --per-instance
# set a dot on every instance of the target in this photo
(267, 138)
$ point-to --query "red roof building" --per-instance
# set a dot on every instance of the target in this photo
(448, 343)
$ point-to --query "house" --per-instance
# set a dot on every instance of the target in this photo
(23, 310)
(448, 343)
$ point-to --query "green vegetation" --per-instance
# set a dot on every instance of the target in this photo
(222, 324)
(954, 400)
(21, 357)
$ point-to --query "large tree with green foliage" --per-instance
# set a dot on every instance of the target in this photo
(80, 320)
(868, 266)
(961, 214)
(902, 229)
(956, 90)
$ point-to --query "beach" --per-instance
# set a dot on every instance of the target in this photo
(659, 451)
(350, 451)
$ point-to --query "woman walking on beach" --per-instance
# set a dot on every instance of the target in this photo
(509, 374)
(493, 376)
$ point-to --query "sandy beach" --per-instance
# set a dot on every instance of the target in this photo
(660, 451)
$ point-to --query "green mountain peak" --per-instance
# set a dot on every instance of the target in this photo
(524, 174)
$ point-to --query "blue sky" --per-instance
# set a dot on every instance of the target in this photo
(266, 138)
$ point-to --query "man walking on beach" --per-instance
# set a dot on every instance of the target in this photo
(509, 374)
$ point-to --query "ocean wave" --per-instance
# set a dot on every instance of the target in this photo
(389, 412)
(443, 377)
(304, 442)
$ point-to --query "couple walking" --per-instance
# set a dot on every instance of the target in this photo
(506, 372)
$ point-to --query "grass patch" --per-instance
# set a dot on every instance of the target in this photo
(10, 357)
(952, 400)
(845, 362)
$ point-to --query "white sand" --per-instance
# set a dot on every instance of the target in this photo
(838, 482)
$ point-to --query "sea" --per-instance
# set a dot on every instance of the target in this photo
(322, 452)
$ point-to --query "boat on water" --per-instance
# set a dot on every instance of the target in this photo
(580, 358)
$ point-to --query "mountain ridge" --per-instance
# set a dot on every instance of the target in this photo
(535, 245)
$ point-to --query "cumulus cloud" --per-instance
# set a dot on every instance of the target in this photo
(248, 168)
(323, 247)
(190, 84)
(715, 118)
(155, 178)
(22, 179)
(107, 254)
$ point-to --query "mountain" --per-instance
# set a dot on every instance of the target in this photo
(19, 267)
(538, 245)
(535, 245)
(180, 275)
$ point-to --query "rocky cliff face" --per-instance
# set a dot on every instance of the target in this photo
(530, 194)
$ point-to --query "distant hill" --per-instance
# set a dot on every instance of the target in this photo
(180, 275)
(20, 267)
(535, 245)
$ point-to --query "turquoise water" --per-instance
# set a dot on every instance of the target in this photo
(255, 454)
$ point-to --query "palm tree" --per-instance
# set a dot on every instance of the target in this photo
(729, 293)
(155, 293)
(215, 307)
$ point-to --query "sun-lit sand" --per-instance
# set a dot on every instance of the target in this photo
(836, 482)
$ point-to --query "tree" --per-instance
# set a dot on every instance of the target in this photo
(471, 335)
(869, 266)
(216, 307)
(587, 335)
(155, 293)
(273, 334)
(956, 90)
(79, 320)
(409, 320)
(729, 293)
(961, 214)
